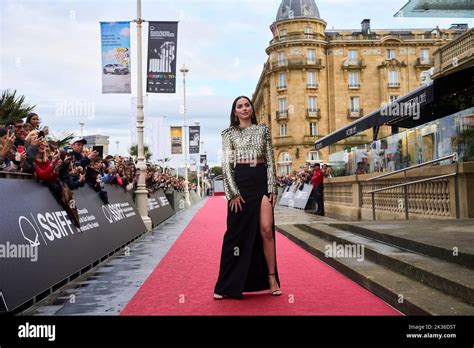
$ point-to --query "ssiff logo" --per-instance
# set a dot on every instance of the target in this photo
(51, 226)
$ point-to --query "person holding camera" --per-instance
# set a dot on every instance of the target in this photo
(93, 178)
(73, 176)
(77, 146)
(7, 139)
(15, 126)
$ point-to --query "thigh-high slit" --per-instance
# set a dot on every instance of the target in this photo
(243, 267)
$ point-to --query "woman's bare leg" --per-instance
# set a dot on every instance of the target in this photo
(266, 222)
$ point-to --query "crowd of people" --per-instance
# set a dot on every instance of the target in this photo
(303, 176)
(314, 176)
(25, 148)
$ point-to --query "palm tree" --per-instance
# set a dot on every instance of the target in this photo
(13, 106)
(134, 152)
(62, 141)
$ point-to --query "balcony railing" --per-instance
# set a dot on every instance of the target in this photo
(281, 87)
(424, 63)
(312, 85)
(314, 61)
(282, 115)
(394, 84)
(283, 141)
(310, 139)
(296, 36)
(351, 63)
(454, 54)
(279, 63)
(298, 63)
(313, 113)
(354, 85)
(354, 113)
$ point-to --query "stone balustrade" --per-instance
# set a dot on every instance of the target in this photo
(349, 197)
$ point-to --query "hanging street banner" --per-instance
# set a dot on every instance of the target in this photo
(192, 163)
(194, 136)
(162, 50)
(115, 42)
(203, 160)
(176, 140)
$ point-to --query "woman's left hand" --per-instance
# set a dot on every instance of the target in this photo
(273, 198)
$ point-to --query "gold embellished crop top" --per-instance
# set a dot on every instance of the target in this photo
(246, 144)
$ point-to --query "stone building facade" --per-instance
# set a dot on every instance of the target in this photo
(316, 81)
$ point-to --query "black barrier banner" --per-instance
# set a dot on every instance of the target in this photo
(44, 247)
(162, 50)
(194, 135)
(294, 197)
(179, 201)
(193, 196)
(159, 208)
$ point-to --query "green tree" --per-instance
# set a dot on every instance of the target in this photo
(134, 152)
(216, 170)
(192, 177)
(13, 106)
(62, 141)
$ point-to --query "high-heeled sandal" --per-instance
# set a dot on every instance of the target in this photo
(218, 297)
(276, 292)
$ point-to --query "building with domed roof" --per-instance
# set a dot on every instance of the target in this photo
(316, 81)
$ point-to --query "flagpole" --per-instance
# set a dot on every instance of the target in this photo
(141, 193)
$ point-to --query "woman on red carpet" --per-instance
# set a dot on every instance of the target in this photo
(248, 259)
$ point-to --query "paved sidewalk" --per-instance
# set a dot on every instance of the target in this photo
(109, 287)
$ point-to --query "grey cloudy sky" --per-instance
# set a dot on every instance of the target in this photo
(50, 52)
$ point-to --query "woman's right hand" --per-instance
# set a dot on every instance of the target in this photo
(235, 203)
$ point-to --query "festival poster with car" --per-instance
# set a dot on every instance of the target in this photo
(115, 39)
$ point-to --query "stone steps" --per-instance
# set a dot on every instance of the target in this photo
(437, 251)
(401, 278)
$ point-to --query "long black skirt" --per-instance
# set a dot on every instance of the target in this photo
(243, 267)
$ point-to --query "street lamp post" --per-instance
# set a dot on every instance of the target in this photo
(82, 127)
(141, 194)
(198, 168)
(184, 70)
(205, 183)
(201, 189)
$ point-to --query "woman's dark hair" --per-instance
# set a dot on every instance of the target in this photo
(30, 116)
(234, 120)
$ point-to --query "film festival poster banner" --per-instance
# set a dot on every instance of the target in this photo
(203, 160)
(115, 42)
(192, 163)
(176, 140)
(194, 136)
(162, 52)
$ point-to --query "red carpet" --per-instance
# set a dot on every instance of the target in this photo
(183, 282)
